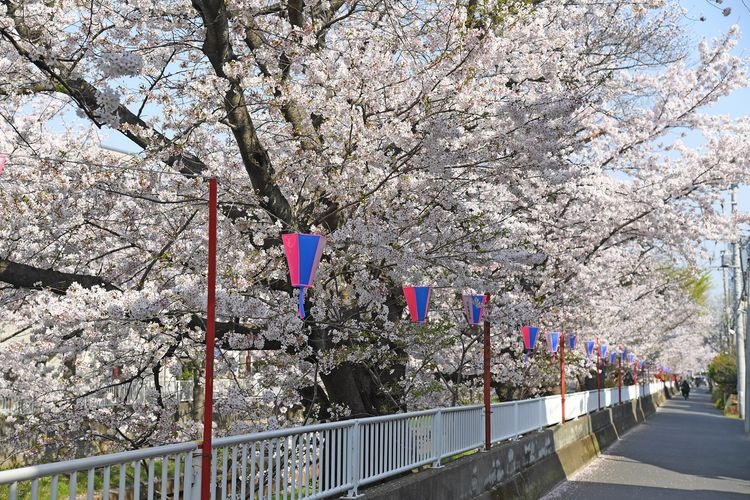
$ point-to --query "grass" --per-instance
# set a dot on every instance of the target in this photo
(44, 485)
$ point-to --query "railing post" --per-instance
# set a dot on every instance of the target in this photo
(516, 424)
(193, 475)
(354, 455)
(437, 437)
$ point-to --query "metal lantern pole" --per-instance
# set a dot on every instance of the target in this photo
(598, 383)
(487, 409)
(208, 407)
(562, 375)
(619, 379)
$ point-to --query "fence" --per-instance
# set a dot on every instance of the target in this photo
(308, 462)
(131, 394)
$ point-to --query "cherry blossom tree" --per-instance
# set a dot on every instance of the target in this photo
(532, 151)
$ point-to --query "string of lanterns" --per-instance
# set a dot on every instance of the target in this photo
(303, 253)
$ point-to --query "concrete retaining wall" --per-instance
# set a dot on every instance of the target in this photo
(525, 468)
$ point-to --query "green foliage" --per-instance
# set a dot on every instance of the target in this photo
(723, 371)
(696, 285)
(81, 482)
(717, 396)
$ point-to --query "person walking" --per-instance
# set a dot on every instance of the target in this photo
(685, 389)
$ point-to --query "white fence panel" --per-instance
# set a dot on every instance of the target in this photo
(530, 413)
(576, 404)
(552, 410)
(462, 429)
(505, 421)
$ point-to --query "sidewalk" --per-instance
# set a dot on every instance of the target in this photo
(686, 451)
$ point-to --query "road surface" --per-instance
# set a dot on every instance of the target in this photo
(686, 451)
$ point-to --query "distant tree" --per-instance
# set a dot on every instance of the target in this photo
(723, 371)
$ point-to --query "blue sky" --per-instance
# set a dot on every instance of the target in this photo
(714, 25)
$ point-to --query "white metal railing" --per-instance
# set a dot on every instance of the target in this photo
(308, 462)
(136, 393)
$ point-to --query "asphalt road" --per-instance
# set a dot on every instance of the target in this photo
(686, 451)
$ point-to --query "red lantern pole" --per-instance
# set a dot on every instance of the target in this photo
(208, 406)
(598, 383)
(619, 378)
(562, 375)
(487, 409)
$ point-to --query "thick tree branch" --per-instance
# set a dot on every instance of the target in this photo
(24, 276)
(254, 156)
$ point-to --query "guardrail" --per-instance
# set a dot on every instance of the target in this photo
(314, 461)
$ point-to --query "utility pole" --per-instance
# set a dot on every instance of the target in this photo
(739, 330)
(746, 356)
(727, 341)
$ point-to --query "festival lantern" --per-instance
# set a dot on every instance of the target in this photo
(572, 341)
(530, 334)
(474, 308)
(589, 347)
(631, 357)
(418, 301)
(612, 357)
(303, 252)
(624, 355)
(553, 342)
(603, 352)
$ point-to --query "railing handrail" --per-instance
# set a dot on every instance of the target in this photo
(33, 472)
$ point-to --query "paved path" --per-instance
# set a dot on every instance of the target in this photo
(686, 451)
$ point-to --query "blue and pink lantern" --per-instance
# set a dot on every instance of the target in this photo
(589, 347)
(612, 357)
(303, 252)
(631, 357)
(530, 334)
(418, 302)
(624, 355)
(603, 352)
(572, 341)
(474, 308)
(553, 342)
